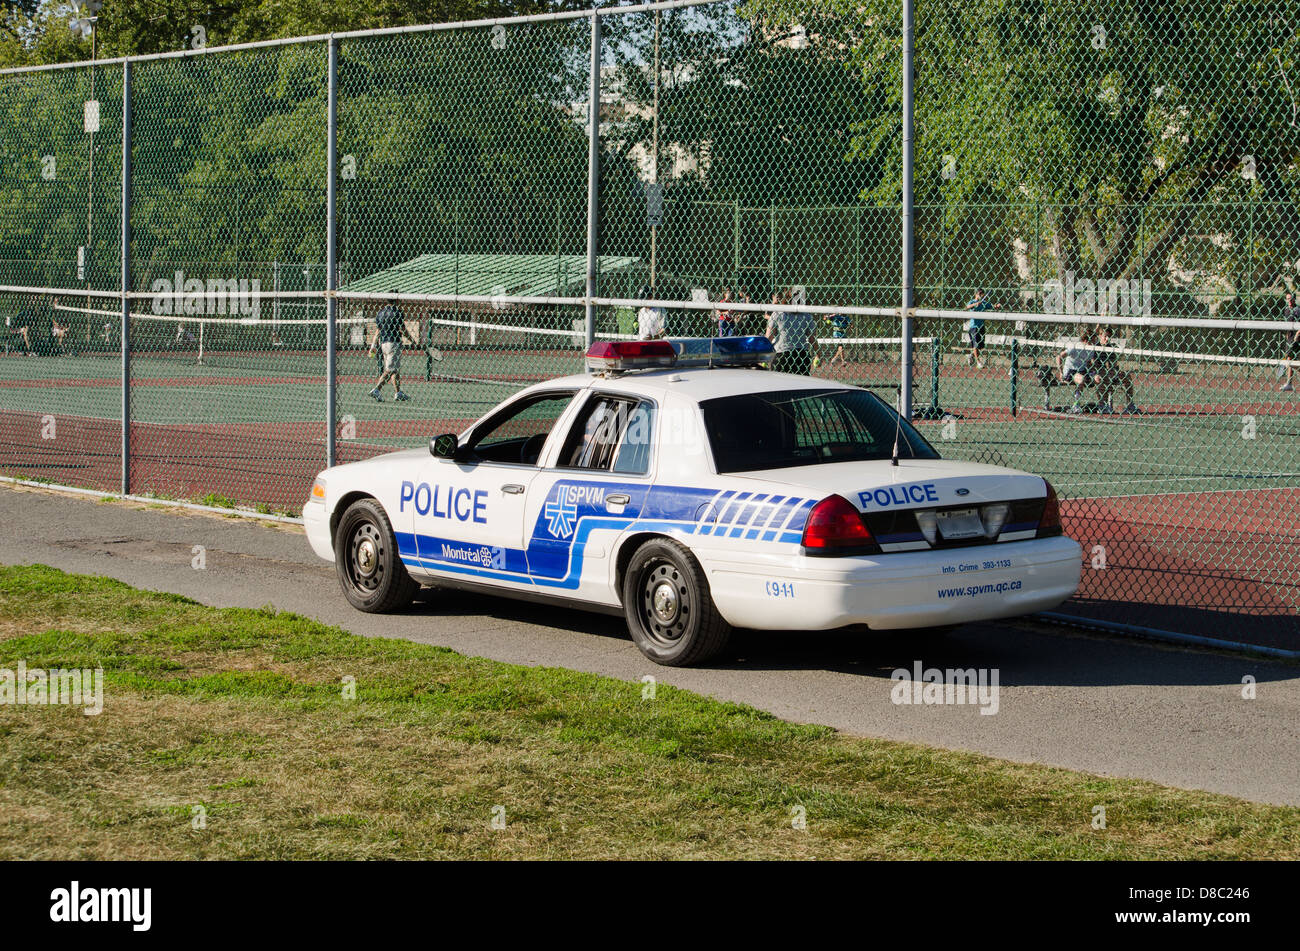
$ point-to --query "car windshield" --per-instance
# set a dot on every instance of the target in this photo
(805, 428)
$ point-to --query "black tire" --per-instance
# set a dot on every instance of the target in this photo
(370, 572)
(669, 611)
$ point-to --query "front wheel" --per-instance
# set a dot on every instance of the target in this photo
(669, 610)
(370, 572)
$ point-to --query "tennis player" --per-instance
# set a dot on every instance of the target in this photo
(1291, 340)
(839, 324)
(974, 328)
(390, 328)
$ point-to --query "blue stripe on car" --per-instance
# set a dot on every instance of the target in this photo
(549, 561)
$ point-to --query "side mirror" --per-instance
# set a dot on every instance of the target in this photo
(444, 446)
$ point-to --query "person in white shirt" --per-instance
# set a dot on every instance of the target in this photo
(649, 320)
(1074, 363)
(793, 335)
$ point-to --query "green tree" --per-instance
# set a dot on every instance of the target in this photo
(35, 31)
(1129, 124)
(453, 142)
(755, 118)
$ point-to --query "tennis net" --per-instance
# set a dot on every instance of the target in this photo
(497, 351)
(1146, 377)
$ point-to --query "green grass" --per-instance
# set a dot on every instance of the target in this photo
(242, 713)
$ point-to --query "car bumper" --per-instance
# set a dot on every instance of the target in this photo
(316, 521)
(900, 590)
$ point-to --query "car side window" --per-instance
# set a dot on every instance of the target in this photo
(610, 434)
(634, 448)
(519, 432)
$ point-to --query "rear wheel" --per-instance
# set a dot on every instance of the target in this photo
(370, 572)
(669, 610)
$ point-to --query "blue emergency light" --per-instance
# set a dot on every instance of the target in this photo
(724, 351)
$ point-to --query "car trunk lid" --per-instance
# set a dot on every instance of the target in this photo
(926, 503)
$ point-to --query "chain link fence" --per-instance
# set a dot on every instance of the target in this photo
(1102, 218)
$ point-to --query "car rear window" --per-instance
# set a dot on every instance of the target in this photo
(805, 428)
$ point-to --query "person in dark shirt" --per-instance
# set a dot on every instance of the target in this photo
(1108, 374)
(1291, 340)
(20, 327)
(390, 328)
(839, 324)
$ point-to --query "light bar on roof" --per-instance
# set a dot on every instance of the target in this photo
(724, 351)
(617, 356)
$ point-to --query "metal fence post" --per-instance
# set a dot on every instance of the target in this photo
(905, 384)
(771, 247)
(125, 277)
(593, 176)
(735, 244)
(331, 255)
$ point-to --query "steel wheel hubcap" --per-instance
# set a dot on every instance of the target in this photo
(366, 552)
(665, 605)
(367, 558)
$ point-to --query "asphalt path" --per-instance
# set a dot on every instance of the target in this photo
(1097, 703)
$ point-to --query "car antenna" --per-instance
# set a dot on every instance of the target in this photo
(898, 429)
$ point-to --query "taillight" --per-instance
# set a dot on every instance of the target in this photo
(835, 526)
(1050, 522)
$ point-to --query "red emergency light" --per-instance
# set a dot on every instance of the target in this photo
(606, 356)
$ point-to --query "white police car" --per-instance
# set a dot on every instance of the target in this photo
(694, 493)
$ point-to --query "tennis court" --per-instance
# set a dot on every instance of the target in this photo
(235, 408)
(243, 418)
(258, 389)
(1189, 507)
(1188, 511)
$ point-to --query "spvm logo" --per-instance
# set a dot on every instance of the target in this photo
(560, 517)
(561, 512)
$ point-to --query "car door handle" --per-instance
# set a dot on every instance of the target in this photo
(512, 489)
(618, 498)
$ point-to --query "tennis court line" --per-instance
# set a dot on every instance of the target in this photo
(1039, 451)
(1165, 479)
(1147, 495)
(1135, 420)
(1191, 470)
